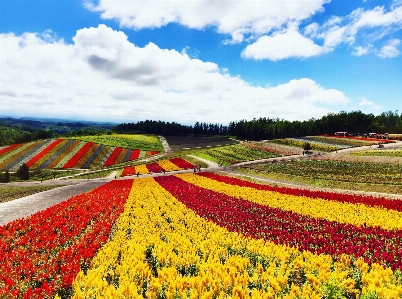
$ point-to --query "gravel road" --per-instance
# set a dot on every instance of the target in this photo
(25, 206)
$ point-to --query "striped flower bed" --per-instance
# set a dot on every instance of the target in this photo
(42, 254)
(75, 159)
(43, 152)
(204, 236)
(63, 153)
(22, 156)
(157, 167)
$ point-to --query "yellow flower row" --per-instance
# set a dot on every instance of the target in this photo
(348, 213)
(142, 169)
(161, 249)
(168, 165)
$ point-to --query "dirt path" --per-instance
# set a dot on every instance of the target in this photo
(31, 204)
(208, 162)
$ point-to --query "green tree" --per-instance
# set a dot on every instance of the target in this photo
(7, 177)
(307, 146)
(23, 172)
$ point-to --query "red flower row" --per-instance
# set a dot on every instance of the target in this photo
(43, 152)
(128, 171)
(114, 155)
(183, 164)
(367, 200)
(135, 154)
(74, 160)
(284, 227)
(8, 148)
(47, 250)
(154, 167)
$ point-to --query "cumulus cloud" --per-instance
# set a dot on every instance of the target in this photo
(234, 17)
(282, 45)
(103, 76)
(265, 24)
(369, 104)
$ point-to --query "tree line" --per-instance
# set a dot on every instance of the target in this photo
(256, 129)
(355, 122)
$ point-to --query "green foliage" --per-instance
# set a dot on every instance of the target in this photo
(307, 146)
(132, 141)
(299, 143)
(23, 172)
(364, 176)
(94, 175)
(238, 153)
(8, 193)
(379, 153)
(5, 177)
(352, 122)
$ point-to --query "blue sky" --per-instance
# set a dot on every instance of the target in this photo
(209, 61)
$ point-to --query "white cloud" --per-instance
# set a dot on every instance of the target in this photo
(361, 28)
(390, 50)
(360, 51)
(369, 104)
(233, 17)
(282, 45)
(102, 76)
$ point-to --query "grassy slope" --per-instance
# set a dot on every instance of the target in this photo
(8, 193)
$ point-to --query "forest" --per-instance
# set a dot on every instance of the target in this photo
(355, 122)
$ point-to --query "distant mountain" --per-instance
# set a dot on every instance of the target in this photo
(24, 129)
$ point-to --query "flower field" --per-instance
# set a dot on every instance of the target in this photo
(66, 153)
(273, 148)
(239, 153)
(336, 171)
(145, 142)
(379, 153)
(345, 141)
(159, 166)
(329, 143)
(205, 235)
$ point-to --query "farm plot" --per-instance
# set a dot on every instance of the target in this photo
(237, 153)
(273, 148)
(345, 142)
(205, 236)
(315, 145)
(379, 153)
(193, 142)
(366, 176)
(173, 164)
(145, 142)
(66, 154)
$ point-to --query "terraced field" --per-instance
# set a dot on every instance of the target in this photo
(73, 153)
